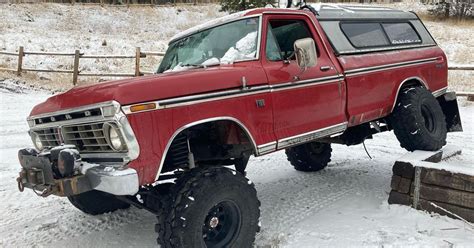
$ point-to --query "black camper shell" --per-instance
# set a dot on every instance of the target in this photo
(362, 29)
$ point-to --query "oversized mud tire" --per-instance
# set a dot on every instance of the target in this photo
(97, 202)
(210, 207)
(418, 120)
(308, 157)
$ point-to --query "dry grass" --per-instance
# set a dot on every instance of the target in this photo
(461, 81)
(450, 21)
(33, 80)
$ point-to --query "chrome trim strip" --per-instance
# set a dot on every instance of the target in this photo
(200, 98)
(179, 130)
(259, 35)
(186, 100)
(225, 94)
(365, 70)
(266, 148)
(312, 135)
(306, 83)
(401, 85)
(440, 92)
(133, 149)
(391, 48)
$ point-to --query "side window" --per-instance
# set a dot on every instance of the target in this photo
(272, 50)
(401, 33)
(281, 36)
(363, 35)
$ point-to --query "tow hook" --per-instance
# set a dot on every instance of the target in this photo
(21, 187)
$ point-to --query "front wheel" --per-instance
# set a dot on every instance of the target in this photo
(211, 207)
(418, 120)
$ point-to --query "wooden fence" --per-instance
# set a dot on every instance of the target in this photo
(77, 56)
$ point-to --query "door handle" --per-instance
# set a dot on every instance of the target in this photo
(325, 68)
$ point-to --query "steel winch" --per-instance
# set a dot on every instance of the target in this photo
(52, 171)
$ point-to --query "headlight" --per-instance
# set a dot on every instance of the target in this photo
(113, 137)
(36, 141)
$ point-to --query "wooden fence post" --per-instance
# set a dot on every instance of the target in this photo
(20, 60)
(137, 62)
(75, 72)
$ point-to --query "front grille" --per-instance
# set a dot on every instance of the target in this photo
(86, 137)
(49, 136)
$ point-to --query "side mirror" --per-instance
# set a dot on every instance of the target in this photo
(305, 52)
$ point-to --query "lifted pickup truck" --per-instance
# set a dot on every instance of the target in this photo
(250, 83)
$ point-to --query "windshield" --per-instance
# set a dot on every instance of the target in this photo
(223, 44)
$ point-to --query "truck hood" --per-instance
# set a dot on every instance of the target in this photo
(154, 87)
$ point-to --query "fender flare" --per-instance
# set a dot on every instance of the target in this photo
(403, 83)
(207, 120)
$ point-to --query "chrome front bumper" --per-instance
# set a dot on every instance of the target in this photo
(40, 173)
(113, 181)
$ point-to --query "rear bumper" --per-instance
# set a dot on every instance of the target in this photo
(40, 173)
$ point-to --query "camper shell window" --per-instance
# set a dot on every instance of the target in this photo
(376, 34)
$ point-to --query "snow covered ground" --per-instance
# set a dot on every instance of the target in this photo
(344, 205)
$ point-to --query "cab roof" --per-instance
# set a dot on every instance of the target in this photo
(325, 12)
(360, 12)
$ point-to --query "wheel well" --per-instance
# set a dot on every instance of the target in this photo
(412, 82)
(409, 82)
(217, 142)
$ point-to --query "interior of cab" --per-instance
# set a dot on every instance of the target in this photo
(281, 35)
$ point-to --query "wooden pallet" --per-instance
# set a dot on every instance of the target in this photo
(425, 181)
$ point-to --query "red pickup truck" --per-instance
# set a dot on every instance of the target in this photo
(250, 83)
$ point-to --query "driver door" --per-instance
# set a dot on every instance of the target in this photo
(304, 101)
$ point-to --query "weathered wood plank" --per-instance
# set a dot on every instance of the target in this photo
(450, 196)
(403, 169)
(395, 182)
(399, 198)
(465, 213)
(404, 185)
(447, 179)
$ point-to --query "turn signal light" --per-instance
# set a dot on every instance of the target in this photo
(142, 107)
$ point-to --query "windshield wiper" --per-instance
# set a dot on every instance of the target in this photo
(200, 65)
(194, 65)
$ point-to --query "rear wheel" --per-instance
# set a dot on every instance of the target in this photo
(418, 120)
(313, 156)
(97, 202)
(210, 207)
